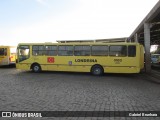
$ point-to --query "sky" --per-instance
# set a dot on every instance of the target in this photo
(23, 21)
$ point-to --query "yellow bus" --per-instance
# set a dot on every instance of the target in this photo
(97, 58)
(7, 55)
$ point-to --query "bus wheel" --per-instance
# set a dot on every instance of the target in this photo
(97, 70)
(36, 68)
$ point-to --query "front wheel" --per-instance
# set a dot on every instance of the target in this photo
(36, 68)
(97, 70)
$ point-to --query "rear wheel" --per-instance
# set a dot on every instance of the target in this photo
(97, 70)
(36, 68)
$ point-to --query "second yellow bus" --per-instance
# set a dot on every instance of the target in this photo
(7, 55)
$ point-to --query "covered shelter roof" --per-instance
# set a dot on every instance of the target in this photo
(124, 39)
(153, 18)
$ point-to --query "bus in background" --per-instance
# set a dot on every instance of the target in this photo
(7, 55)
(97, 58)
(155, 60)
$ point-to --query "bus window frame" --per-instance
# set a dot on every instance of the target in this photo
(55, 51)
(43, 51)
(82, 51)
(66, 50)
(126, 53)
(128, 50)
(5, 53)
(99, 50)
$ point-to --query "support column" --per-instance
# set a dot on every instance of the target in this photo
(136, 37)
(147, 47)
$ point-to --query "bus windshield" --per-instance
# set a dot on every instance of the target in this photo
(3, 51)
(23, 53)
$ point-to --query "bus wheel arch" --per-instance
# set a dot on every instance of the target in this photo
(35, 67)
(97, 70)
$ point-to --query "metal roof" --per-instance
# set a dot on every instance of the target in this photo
(153, 18)
(124, 39)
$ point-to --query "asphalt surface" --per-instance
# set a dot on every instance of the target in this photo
(61, 91)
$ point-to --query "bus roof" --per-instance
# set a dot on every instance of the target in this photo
(1, 46)
(124, 39)
(97, 43)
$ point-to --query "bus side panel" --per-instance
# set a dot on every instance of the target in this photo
(4, 60)
(110, 64)
(68, 68)
(121, 70)
(23, 66)
(122, 65)
(67, 63)
(74, 63)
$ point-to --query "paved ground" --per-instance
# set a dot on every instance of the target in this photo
(58, 91)
(156, 68)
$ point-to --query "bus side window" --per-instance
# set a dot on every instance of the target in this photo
(82, 50)
(118, 50)
(3, 51)
(38, 50)
(35, 53)
(51, 50)
(64, 50)
(77, 53)
(131, 51)
(99, 50)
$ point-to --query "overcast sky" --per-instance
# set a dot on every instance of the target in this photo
(51, 20)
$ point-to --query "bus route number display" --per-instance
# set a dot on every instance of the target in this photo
(117, 61)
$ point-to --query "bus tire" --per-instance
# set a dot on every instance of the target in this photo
(36, 68)
(97, 70)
